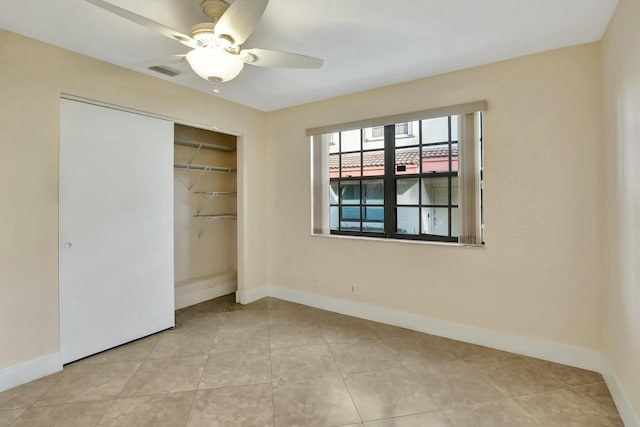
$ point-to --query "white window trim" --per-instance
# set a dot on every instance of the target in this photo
(453, 110)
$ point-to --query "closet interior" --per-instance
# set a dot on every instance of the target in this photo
(205, 208)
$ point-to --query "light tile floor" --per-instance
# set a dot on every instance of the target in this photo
(274, 363)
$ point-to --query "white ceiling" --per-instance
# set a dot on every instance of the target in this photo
(365, 43)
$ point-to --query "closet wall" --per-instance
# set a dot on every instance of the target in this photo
(205, 204)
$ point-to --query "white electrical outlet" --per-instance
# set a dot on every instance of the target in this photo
(353, 290)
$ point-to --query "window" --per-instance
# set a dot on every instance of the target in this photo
(402, 129)
(377, 132)
(413, 183)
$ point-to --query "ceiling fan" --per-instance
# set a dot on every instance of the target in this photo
(216, 54)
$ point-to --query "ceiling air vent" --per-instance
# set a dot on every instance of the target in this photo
(164, 70)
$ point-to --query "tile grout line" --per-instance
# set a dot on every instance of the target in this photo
(353, 402)
(204, 367)
(112, 400)
(105, 412)
(31, 405)
(195, 392)
(193, 401)
(18, 417)
(527, 411)
(138, 368)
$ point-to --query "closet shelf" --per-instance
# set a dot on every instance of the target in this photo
(217, 193)
(204, 168)
(203, 145)
(216, 217)
(210, 195)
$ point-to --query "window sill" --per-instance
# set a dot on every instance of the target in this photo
(400, 241)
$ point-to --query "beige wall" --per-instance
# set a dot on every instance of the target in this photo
(621, 65)
(540, 273)
(32, 77)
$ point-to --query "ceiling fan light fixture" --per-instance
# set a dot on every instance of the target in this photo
(215, 64)
(224, 41)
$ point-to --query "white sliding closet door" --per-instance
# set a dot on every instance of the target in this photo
(116, 227)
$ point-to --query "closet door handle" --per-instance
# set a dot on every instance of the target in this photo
(67, 245)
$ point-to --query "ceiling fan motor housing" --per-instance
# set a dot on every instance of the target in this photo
(214, 8)
(203, 33)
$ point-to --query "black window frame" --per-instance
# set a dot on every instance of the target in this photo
(359, 179)
(390, 181)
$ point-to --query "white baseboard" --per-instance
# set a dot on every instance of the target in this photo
(194, 291)
(547, 350)
(627, 413)
(251, 295)
(13, 376)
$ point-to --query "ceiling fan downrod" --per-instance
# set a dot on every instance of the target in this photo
(214, 9)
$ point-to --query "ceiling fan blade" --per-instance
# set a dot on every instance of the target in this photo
(275, 58)
(240, 19)
(145, 22)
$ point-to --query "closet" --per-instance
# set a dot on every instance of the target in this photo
(205, 215)
(147, 223)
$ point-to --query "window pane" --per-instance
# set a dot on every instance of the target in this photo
(435, 158)
(373, 214)
(334, 166)
(350, 140)
(435, 191)
(454, 128)
(373, 227)
(407, 191)
(454, 190)
(435, 130)
(455, 222)
(407, 161)
(350, 192)
(351, 164)
(402, 128)
(373, 163)
(407, 134)
(454, 157)
(435, 221)
(351, 213)
(373, 192)
(408, 220)
(333, 217)
(374, 138)
(349, 226)
(333, 193)
(334, 139)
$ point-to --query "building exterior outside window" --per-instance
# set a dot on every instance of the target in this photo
(396, 181)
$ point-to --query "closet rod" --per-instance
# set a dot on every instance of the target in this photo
(217, 216)
(217, 193)
(205, 168)
(205, 145)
